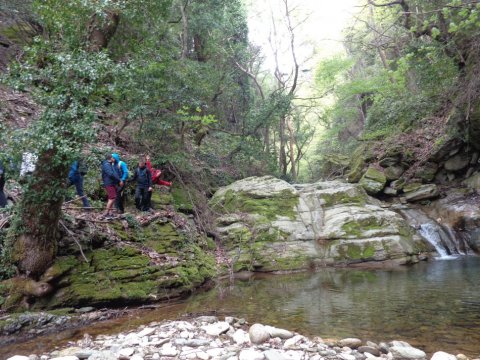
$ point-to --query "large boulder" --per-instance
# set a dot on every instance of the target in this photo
(267, 224)
(373, 181)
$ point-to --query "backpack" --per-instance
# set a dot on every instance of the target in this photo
(82, 167)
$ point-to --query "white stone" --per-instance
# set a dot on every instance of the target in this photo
(441, 355)
(216, 329)
(146, 332)
(215, 352)
(156, 356)
(103, 355)
(68, 357)
(292, 342)
(202, 355)
(136, 357)
(168, 350)
(18, 357)
(274, 355)
(407, 352)
(258, 334)
(241, 337)
(346, 356)
(131, 339)
(251, 354)
(126, 351)
(281, 333)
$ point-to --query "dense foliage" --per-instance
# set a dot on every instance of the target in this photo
(401, 68)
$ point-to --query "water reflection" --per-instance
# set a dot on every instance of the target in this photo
(435, 306)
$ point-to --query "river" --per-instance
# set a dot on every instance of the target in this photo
(432, 305)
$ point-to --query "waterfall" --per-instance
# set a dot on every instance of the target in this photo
(442, 240)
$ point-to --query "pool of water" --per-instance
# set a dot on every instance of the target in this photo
(433, 305)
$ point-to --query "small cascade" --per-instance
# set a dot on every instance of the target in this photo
(447, 244)
(441, 240)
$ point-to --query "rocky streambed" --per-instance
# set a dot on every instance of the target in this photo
(208, 337)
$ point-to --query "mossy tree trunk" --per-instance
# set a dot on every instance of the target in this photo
(40, 210)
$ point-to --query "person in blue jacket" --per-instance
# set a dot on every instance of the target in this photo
(122, 169)
(111, 180)
(75, 177)
(3, 198)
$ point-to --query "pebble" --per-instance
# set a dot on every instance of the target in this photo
(207, 338)
(353, 343)
(216, 329)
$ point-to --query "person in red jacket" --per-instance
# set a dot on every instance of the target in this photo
(156, 173)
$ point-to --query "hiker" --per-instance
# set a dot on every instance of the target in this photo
(3, 198)
(75, 177)
(156, 173)
(143, 191)
(122, 169)
(111, 180)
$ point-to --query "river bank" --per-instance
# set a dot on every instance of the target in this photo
(208, 337)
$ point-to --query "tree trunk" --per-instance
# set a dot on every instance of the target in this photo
(184, 35)
(40, 211)
(293, 167)
(282, 161)
(102, 30)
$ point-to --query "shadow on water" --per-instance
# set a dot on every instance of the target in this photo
(434, 306)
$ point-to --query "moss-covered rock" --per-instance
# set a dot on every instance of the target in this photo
(394, 172)
(257, 239)
(427, 172)
(267, 196)
(421, 192)
(373, 181)
(147, 264)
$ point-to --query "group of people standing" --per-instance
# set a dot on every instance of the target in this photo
(115, 177)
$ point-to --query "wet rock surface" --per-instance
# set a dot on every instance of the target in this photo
(193, 339)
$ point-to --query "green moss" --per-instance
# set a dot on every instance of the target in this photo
(182, 199)
(411, 187)
(61, 266)
(202, 266)
(358, 227)
(373, 181)
(354, 252)
(282, 204)
(356, 196)
(163, 238)
(161, 198)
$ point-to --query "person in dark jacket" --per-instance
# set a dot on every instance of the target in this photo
(122, 168)
(143, 191)
(3, 198)
(111, 180)
(75, 177)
